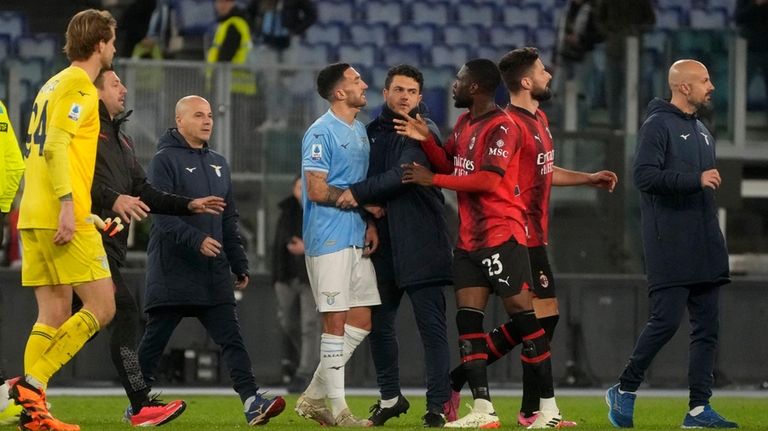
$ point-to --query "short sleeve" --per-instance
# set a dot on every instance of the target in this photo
(316, 150)
(501, 144)
(75, 105)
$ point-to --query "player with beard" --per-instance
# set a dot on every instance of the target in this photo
(528, 82)
(483, 154)
(337, 242)
(686, 260)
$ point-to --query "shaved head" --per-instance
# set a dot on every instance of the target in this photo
(185, 102)
(194, 120)
(690, 85)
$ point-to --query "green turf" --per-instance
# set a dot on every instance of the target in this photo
(224, 413)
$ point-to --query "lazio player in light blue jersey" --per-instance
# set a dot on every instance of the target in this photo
(337, 242)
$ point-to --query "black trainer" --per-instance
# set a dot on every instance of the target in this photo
(380, 414)
(433, 419)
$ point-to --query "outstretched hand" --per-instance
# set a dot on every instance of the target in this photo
(604, 180)
(208, 205)
(414, 128)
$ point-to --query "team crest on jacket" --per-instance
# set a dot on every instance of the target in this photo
(217, 169)
(543, 280)
(330, 297)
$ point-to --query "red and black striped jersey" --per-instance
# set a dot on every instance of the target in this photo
(537, 161)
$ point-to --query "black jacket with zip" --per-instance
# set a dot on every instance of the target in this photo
(118, 173)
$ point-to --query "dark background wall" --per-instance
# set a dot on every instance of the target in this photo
(601, 316)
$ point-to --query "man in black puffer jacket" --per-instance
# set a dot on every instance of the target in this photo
(414, 254)
(120, 188)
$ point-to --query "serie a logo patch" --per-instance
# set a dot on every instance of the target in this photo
(3, 127)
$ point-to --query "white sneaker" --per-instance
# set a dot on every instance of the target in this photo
(547, 420)
(315, 410)
(476, 419)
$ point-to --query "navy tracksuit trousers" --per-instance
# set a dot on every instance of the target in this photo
(428, 304)
(667, 307)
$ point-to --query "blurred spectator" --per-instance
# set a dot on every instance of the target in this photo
(752, 19)
(616, 20)
(576, 38)
(296, 311)
(275, 22)
(133, 25)
(163, 31)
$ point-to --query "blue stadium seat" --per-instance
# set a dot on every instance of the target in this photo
(398, 54)
(509, 37)
(491, 52)
(382, 11)
(358, 54)
(312, 53)
(670, 18)
(460, 34)
(41, 45)
(484, 14)
(378, 34)
(331, 33)
(440, 77)
(30, 71)
(422, 34)
(13, 24)
(450, 55)
(428, 12)
(195, 16)
(715, 18)
(526, 15)
(377, 75)
(545, 38)
(682, 4)
(436, 99)
(334, 10)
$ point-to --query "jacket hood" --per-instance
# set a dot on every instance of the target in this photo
(661, 106)
(172, 138)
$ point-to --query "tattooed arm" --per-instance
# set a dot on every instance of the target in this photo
(319, 191)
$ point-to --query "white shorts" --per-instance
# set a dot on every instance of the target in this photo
(342, 280)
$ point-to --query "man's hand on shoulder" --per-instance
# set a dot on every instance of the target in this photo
(208, 205)
(130, 208)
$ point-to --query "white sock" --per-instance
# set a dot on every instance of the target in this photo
(316, 388)
(483, 406)
(337, 405)
(248, 402)
(696, 410)
(3, 396)
(389, 403)
(332, 359)
(352, 338)
(548, 405)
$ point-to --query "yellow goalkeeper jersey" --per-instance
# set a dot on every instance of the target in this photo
(68, 101)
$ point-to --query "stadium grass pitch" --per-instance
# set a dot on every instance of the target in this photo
(212, 413)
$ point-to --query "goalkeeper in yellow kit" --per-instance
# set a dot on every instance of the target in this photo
(63, 251)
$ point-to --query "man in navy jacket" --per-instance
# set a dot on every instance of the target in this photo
(192, 259)
(685, 256)
(414, 254)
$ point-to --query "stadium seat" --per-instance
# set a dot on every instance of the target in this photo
(427, 12)
(492, 52)
(331, 33)
(436, 99)
(43, 46)
(312, 53)
(399, 54)
(450, 55)
(195, 16)
(545, 38)
(334, 10)
(440, 77)
(483, 14)
(527, 16)
(422, 34)
(5, 47)
(655, 40)
(385, 12)
(670, 18)
(13, 24)
(682, 4)
(464, 34)
(508, 37)
(715, 19)
(377, 34)
(358, 54)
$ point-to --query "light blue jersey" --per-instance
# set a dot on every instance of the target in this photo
(341, 150)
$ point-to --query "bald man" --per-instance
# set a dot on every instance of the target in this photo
(194, 260)
(685, 256)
